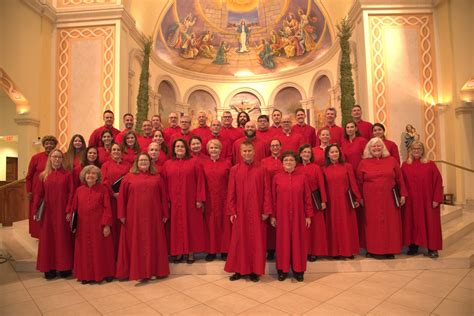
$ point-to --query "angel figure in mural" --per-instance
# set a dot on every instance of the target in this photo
(307, 31)
(221, 56)
(243, 36)
(206, 49)
(265, 55)
(190, 47)
(410, 135)
(177, 33)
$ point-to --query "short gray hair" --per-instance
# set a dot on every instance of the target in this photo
(89, 169)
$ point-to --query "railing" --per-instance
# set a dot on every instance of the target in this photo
(14, 204)
(454, 165)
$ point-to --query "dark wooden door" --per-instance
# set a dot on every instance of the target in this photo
(12, 169)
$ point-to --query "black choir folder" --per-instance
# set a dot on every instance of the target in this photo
(396, 196)
(116, 185)
(74, 222)
(351, 198)
(39, 212)
(316, 195)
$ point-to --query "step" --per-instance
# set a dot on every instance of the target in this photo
(457, 228)
(450, 212)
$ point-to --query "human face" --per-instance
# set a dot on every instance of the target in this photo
(195, 146)
(289, 163)
(49, 145)
(275, 148)
(417, 151)
(185, 123)
(356, 113)
(154, 151)
(276, 118)
(263, 124)
(143, 163)
(158, 137)
(202, 119)
(179, 149)
(109, 119)
(147, 128)
(91, 178)
(242, 119)
(376, 149)
(334, 154)
(214, 151)
(330, 117)
(56, 159)
(92, 155)
(107, 139)
(116, 152)
(250, 129)
(351, 129)
(306, 155)
(156, 122)
(128, 122)
(300, 117)
(77, 143)
(247, 152)
(216, 127)
(173, 119)
(377, 131)
(325, 136)
(227, 119)
(130, 140)
(286, 124)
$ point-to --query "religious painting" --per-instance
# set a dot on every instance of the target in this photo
(243, 37)
(246, 102)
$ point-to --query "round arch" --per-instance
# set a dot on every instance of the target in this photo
(203, 88)
(173, 84)
(244, 89)
(287, 85)
(317, 76)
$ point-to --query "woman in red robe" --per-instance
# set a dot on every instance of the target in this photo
(341, 219)
(421, 214)
(217, 224)
(184, 178)
(131, 148)
(143, 210)
(378, 130)
(104, 152)
(159, 138)
(318, 151)
(378, 174)
(353, 145)
(55, 189)
(36, 166)
(90, 157)
(112, 170)
(292, 212)
(273, 166)
(155, 154)
(94, 250)
(75, 152)
(195, 147)
(316, 237)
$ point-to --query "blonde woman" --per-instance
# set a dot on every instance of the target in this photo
(421, 214)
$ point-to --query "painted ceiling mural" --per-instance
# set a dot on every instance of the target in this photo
(242, 37)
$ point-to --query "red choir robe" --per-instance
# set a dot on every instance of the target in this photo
(291, 141)
(160, 161)
(203, 132)
(180, 135)
(94, 258)
(95, 138)
(143, 251)
(353, 150)
(316, 237)
(119, 138)
(382, 221)
(267, 136)
(273, 166)
(248, 197)
(307, 131)
(104, 155)
(55, 249)
(291, 206)
(226, 150)
(129, 155)
(336, 132)
(318, 155)
(144, 142)
(341, 219)
(392, 149)
(422, 222)
(168, 132)
(276, 130)
(231, 133)
(217, 224)
(261, 150)
(365, 129)
(76, 171)
(111, 172)
(36, 166)
(186, 185)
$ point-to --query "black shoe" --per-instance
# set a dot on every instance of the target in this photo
(65, 274)
(282, 275)
(109, 279)
(50, 275)
(190, 260)
(85, 282)
(224, 256)
(254, 277)
(211, 257)
(235, 277)
(389, 256)
(412, 250)
(270, 254)
(178, 259)
(299, 276)
(350, 257)
(433, 254)
(312, 258)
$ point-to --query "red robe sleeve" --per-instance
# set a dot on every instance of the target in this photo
(123, 198)
(107, 213)
(164, 197)
(399, 179)
(274, 197)
(31, 173)
(308, 202)
(352, 182)
(70, 191)
(437, 183)
(267, 194)
(322, 186)
(231, 202)
(201, 182)
(38, 194)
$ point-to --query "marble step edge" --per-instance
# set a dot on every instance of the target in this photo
(450, 213)
(456, 229)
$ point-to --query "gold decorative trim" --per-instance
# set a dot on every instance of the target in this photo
(12, 91)
(107, 35)
(423, 24)
(66, 3)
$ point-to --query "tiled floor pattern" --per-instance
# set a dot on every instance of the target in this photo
(418, 292)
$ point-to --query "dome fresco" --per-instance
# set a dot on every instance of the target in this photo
(242, 37)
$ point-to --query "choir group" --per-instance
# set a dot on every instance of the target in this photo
(129, 202)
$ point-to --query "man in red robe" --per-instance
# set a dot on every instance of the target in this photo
(185, 132)
(156, 123)
(289, 140)
(276, 118)
(128, 123)
(202, 130)
(172, 129)
(248, 205)
(264, 132)
(337, 132)
(147, 135)
(228, 131)
(95, 138)
(250, 135)
(307, 131)
(226, 150)
(364, 127)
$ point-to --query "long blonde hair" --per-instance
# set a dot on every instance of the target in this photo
(372, 142)
(49, 166)
(410, 158)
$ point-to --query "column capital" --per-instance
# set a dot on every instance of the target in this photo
(464, 108)
(27, 121)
